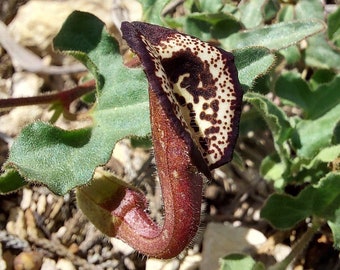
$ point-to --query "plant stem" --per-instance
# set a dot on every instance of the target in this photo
(65, 97)
(299, 246)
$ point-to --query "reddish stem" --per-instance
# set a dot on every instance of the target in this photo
(65, 97)
(181, 185)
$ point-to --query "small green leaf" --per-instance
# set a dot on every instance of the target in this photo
(211, 6)
(318, 53)
(326, 155)
(11, 181)
(275, 118)
(208, 26)
(321, 76)
(334, 224)
(251, 63)
(292, 87)
(322, 200)
(240, 261)
(334, 27)
(65, 159)
(286, 13)
(273, 169)
(152, 10)
(321, 55)
(313, 135)
(271, 9)
(306, 9)
(103, 194)
(276, 36)
(252, 12)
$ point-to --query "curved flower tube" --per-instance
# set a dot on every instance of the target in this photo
(195, 106)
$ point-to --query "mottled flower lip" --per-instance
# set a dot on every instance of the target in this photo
(198, 86)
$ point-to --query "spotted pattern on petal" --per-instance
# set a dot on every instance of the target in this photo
(196, 81)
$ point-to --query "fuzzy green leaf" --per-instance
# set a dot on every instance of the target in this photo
(275, 118)
(240, 261)
(251, 63)
(207, 26)
(319, 53)
(65, 159)
(276, 36)
(334, 224)
(334, 27)
(10, 181)
(252, 12)
(152, 10)
(313, 135)
(322, 200)
(315, 103)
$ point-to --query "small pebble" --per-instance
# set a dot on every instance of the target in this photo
(64, 264)
(29, 260)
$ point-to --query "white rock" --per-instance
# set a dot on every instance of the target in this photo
(156, 264)
(3, 264)
(38, 21)
(222, 239)
(16, 223)
(120, 246)
(64, 264)
(26, 198)
(48, 264)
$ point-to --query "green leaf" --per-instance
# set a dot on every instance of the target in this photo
(326, 155)
(322, 200)
(152, 10)
(306, 9)
(321, 55)
(321, 76)
(208, 26)
(93, 199)
(275, 118)
(11, 181)
(276, 36)
(334, 224)
(292, 54)
(240, 261)
(271, 9)
(318, 53)
(334, 27)
(251, 63)
(211, 6)
(292, 87)
(252, 12)
(273, 169)
(286, 13)
(313, 135)
(65, 159)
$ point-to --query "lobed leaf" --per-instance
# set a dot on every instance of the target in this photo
(292, 87)
(65, 159)
(323, 200)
